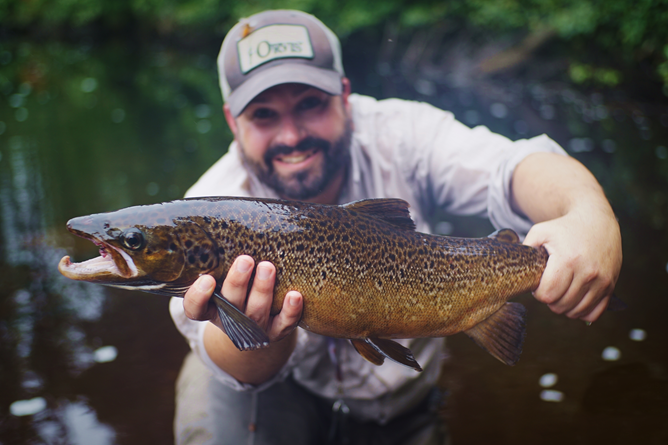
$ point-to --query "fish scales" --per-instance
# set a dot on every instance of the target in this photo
(363, 271)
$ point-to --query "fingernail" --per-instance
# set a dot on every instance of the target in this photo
(204, 285)
(293, 300)
(244, 265)
(263, 271)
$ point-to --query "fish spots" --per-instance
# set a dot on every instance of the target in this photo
(188, 244)
(191, 259)
(172, 247)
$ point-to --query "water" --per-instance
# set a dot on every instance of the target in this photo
(86, 129)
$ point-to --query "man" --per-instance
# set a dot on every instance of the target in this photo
(300, 134)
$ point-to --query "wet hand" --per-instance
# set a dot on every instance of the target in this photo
(585, 260)
(256, 306)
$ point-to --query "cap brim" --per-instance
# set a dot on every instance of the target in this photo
(326, 80)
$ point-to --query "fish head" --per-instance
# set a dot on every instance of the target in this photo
(140, 250)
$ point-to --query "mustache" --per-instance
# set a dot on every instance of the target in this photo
(305, 144)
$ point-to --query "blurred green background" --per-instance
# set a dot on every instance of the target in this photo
(107, 104)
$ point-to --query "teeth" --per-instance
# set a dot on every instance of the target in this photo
(295, 158)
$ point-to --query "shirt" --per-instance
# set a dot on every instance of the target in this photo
(399, 149)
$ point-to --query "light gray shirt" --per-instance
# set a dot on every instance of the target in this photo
(400, 149)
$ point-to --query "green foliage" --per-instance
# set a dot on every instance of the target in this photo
(631, 28)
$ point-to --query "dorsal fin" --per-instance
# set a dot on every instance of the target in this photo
(391, 210)
(505, 235)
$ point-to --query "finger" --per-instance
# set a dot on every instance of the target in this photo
(597, 311)
(597, 291)
(196, 300)
(235, 286)
(286, 321)
(578, 294)
(554, 283)
(262, 293)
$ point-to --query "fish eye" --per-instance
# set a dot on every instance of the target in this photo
(133, 239)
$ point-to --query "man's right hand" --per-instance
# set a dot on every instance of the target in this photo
(257, 306)
(245, 366)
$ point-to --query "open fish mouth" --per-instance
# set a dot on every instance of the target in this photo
(111, 263)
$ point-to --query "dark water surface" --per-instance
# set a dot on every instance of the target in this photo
(85, 129)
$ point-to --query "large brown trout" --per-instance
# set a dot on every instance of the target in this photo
(364, 272)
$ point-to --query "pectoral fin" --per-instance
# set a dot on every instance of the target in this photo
(376, 350)
(502, 333)
(244, 332)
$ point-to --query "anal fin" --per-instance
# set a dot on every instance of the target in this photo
(376, 350)
(245, 333)
(502, 333)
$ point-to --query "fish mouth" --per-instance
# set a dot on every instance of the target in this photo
(113, 264)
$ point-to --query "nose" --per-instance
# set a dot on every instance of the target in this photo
(290, 133)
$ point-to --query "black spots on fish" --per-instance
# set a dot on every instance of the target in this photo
(172, 246)
(300, 247)
(345, 238)
(336, 224)
(204, 257)
(206, 219)
(223, 225)
(323, 275)
(321, 238)
(452, 266)
(221, 252)
(323, 223)
(392, 257)
(307, 226)
(191, 259)
(188, 244)
(421, 251)
(330, 237)
(347, 225)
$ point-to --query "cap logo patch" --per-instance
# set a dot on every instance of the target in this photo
(273, 42)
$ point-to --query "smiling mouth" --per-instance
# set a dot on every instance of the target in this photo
(296, 157)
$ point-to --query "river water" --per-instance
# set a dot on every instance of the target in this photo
(89, 128)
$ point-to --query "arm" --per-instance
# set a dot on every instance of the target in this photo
(254, 367)
(577, 227)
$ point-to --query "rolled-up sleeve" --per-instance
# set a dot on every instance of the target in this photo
(462, 170)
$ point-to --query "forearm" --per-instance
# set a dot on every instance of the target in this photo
(546, 186)
(253, 367)
(576, 225)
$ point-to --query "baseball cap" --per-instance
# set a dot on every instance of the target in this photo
(275, 47)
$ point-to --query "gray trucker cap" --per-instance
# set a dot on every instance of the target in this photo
(275, 47)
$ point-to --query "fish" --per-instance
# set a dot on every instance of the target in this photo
(363, 270)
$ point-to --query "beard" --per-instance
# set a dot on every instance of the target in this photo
(308, 183)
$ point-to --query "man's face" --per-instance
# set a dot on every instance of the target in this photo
(296, 139)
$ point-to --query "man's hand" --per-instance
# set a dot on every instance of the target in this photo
(577, 227)
(584, 264)
(257, 306)
(256, 366)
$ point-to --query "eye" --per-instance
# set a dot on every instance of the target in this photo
(133, 239)
(309, 103)
(263, 113)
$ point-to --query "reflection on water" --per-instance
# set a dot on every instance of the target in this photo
(86, 129)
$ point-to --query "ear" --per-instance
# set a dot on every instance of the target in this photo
(345, 82)
(231, 122)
